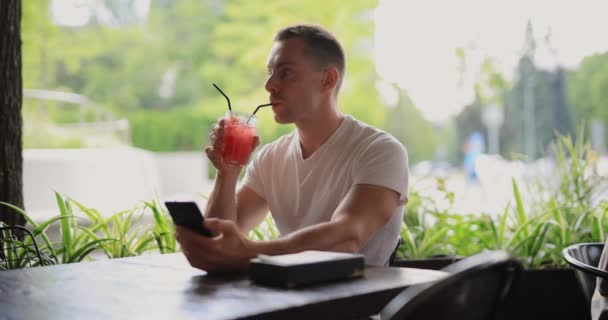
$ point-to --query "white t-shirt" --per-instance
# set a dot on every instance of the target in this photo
(304, 192)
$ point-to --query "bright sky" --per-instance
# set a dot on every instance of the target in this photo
(416, 40)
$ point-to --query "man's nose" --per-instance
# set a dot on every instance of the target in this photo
(271, 85)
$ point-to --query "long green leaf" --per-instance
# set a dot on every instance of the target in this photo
(596, 230)
(409, 241)
(156, 212)
(432, 240)
(258, 234)
(521, 213)
(93, 236)
(503, 225)
(539, 240)
(65, 227)
(85, 250)
(495, 233)
(85, 254)
(521, 230)
(164, 228)
(142, 245)
(580, 220)
(38, 230)
(98, 221)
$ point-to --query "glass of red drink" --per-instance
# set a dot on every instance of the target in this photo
(239, 137)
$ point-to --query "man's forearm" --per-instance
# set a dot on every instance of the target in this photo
(329, 236)
(222, 201)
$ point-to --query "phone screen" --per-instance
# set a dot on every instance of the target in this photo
(187, 214)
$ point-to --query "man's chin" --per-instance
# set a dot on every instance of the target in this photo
(281, 120)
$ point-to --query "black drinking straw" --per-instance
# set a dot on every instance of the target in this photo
(258, 108)
(225, 96)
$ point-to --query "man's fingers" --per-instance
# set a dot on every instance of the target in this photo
(219, 227)
(217, 132)
(211, 154)
(216, 136)
(214, 155)
(214, 225)
(195, 244)
(185, 236)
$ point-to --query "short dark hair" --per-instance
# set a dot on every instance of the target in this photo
(323, 47)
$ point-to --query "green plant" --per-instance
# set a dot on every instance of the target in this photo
(572, 198)
(163, 231)
(121, 235)
(14, 253)
(127, 238)
(561, 208)
(424, 233)
(267, 230)
(47, 251)
(76, 243)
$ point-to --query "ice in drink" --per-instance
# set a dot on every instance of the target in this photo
(239, 133)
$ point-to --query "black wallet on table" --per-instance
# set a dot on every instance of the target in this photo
(305, 268)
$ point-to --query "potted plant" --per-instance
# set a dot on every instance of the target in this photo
(561, 209)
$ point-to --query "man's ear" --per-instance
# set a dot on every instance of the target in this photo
(331, 76)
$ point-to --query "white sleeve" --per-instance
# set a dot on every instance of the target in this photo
(384, 162)
(253, 173)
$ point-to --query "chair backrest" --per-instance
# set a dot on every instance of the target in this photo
(474, 290)
(585, 258)
(391, 259)
(18, 248)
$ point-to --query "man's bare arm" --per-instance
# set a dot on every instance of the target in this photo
(365, 209)
(245, 208)
(222, 200)
(251, 209)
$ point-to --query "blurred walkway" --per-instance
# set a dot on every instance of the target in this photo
(110, 179)
(494, 189)
(116, 179)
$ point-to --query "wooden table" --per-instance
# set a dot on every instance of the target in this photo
(166, 287)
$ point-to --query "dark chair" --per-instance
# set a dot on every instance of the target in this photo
(585, 258)
(474, 290)
(391, 260)
(18, 248)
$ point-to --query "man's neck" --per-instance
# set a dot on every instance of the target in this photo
(315, 131)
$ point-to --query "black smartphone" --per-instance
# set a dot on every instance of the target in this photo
(187, 214)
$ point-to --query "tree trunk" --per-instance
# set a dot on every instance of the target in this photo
(11, 96)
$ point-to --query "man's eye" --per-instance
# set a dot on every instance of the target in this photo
(285, 73)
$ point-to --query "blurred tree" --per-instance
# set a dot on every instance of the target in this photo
(11, 161)
(408, 125)
(535, 105)
(490, 88)
(158, 71)
(468, 121)
(551, 112)
(588, 89)
(39, 37)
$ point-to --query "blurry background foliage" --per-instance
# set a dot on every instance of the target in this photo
(156, 70)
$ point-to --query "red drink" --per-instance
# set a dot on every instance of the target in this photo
(238, 138)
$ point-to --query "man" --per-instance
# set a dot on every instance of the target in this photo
(333, 184)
